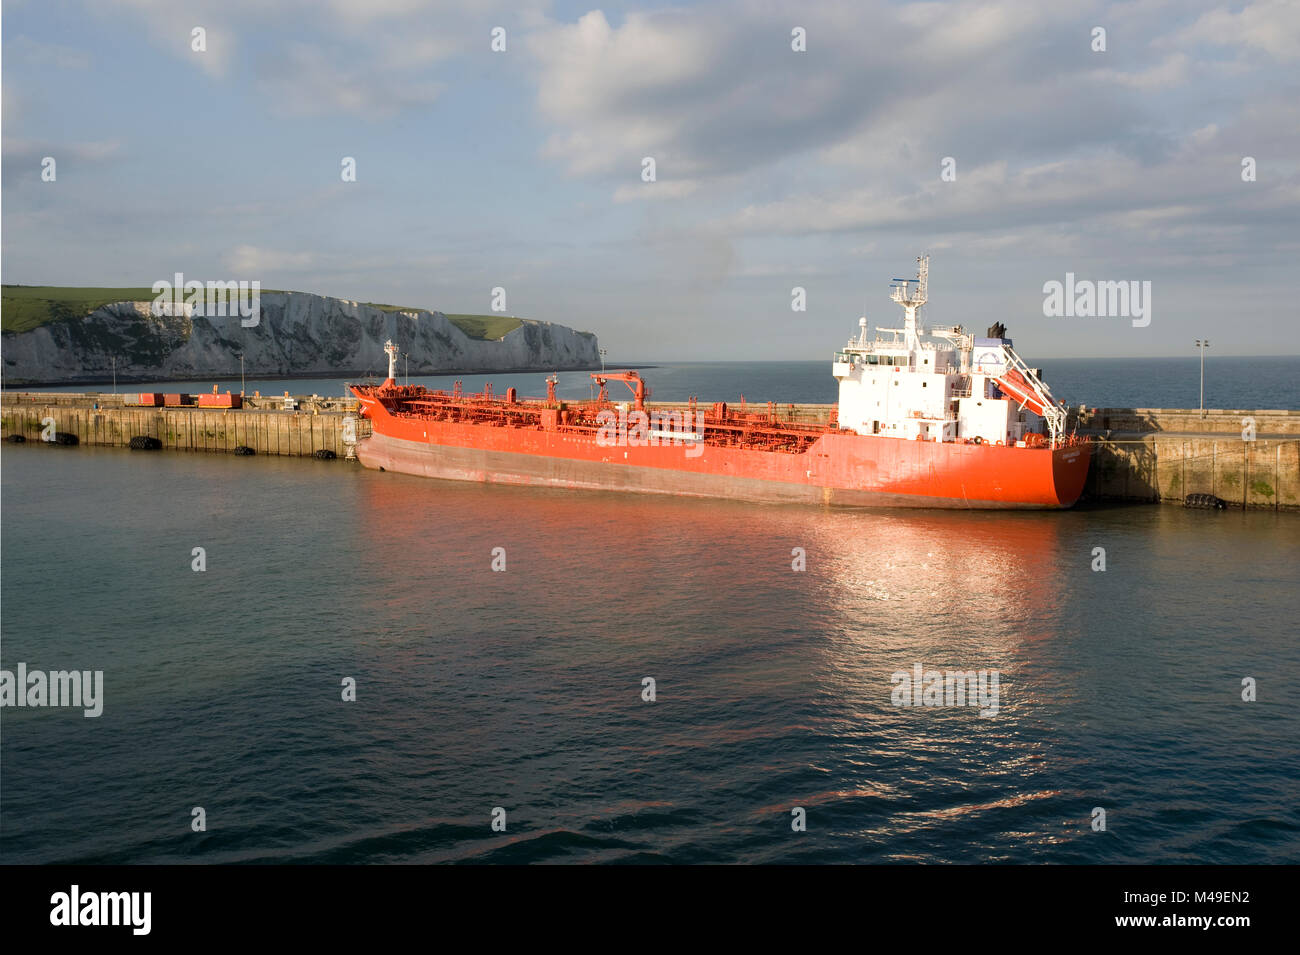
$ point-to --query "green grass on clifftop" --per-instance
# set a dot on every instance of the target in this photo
(25, 307)
(483, 327)
(487, 327)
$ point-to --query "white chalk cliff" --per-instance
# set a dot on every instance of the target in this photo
(297, 334)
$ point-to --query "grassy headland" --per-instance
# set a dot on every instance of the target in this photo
(25, 307)
(485, 327)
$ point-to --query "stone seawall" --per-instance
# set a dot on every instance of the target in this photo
(1184, 421)
(1248, 458)
(298, 433)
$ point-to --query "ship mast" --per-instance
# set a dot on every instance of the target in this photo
(911, 294)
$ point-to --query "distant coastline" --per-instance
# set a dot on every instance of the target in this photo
(50, 339)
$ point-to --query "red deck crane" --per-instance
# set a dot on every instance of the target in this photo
(630, 378)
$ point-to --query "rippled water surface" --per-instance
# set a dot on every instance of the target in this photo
(522, 689)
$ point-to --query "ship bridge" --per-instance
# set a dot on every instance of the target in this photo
(942, 385)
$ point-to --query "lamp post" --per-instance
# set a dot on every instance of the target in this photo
(114, 361)
(603, 353)
(241, 374)
(1201, 346)
(406, 357)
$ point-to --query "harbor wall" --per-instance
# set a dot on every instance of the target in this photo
(1264, 473)
(1249, 458)
(298, 433)
(1183, 421)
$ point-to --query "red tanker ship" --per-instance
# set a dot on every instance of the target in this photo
(939, 419)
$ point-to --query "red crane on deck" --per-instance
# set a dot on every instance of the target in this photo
(630, 378)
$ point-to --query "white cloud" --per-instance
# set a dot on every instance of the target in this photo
(1170, 72)
(22, 157)
(308, 80)
(338, 56)
(1272, 26)
(170, 26)
(849, 137)
(1096, 191)
(716, 90)
(649, 191)
(252, 260)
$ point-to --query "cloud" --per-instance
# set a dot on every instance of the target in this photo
(252, 260)
(649, 191)
(1170, 72)
(92, 151)
(23, 157)
(376, 57)
(170, 26)
(1271, 26)
(718, 90)
(1202, 183)
(849, 136)
(308, 80)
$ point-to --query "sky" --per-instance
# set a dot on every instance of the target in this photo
(996, 137)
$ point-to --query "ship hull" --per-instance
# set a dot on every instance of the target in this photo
(839, 469)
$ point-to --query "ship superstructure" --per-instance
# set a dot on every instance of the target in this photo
(945, 385)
